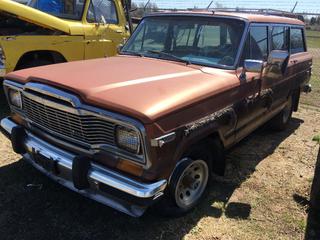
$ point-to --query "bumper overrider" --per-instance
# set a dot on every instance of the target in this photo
(79, 174)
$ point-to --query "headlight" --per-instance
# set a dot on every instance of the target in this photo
(128, 139)
(15, 98)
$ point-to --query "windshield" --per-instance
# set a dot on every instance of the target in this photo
(197, 40)
(68, 9)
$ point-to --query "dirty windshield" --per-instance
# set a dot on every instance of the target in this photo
(68, 9)
(197, 40)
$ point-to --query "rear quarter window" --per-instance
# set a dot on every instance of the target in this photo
(296, 40)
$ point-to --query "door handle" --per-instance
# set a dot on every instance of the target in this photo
(118, 31)
(294, 61)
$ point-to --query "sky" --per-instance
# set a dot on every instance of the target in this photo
(311, 6)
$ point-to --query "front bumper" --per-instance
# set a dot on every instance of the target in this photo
(104, 185)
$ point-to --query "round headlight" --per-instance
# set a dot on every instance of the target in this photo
(128, 139)
(15, 98)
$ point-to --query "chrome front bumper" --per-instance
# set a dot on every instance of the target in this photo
(97, 175)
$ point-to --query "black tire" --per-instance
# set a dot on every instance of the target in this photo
(168, 205)
(34, 63)
(282, 119)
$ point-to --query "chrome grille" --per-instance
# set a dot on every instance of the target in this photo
(86, 129)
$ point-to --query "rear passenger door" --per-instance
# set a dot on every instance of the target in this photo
(280, 81)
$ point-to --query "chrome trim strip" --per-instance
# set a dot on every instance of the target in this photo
(97, 173)
(160, 141)
(52, 92)
(84, 109)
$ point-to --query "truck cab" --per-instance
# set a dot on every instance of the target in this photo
(46, 32)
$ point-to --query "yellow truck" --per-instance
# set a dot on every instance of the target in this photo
(54, 31)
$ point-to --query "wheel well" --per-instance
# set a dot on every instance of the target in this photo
(213, 143)
(51, 56)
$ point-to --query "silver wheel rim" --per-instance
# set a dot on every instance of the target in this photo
(287, 110)
(191, 184)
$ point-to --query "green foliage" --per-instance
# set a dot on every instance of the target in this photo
(316, 138)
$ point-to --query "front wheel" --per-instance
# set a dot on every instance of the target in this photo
(191, 184)
(188, 183)
(281, 121)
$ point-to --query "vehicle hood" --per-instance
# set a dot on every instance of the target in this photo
(140, 87)
(34, 16)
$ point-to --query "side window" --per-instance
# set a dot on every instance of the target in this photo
(102, 11)
(296, 40)
(256, 45)
(279, 38)
(259, 43)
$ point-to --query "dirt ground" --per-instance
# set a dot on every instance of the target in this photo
(262, 196)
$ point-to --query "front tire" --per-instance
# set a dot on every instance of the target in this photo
(188, 183)
(191, 184)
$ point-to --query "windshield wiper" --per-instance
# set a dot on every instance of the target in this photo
(170, 56)
(132, 53)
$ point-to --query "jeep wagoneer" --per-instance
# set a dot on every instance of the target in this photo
(152, 124)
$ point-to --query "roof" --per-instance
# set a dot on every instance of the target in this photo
(250, 17)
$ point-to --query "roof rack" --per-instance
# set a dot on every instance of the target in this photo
(264, 11)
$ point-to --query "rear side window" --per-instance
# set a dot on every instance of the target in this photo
(296, 40)
(279, 38)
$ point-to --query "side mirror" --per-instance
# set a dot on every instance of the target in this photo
(279, 59)
(254, 66)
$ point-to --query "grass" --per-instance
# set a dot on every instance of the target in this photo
(313, 39)
(313, 98)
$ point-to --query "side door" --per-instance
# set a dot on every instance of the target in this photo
(280, 79)
(104, 28)
(254, 87)
(300, 60)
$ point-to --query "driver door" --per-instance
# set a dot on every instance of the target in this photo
(256, 99)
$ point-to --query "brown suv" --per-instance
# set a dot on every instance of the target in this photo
(152, 124)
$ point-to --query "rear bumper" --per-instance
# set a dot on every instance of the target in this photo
(103, 185)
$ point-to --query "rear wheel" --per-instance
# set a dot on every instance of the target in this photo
(281, 121)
